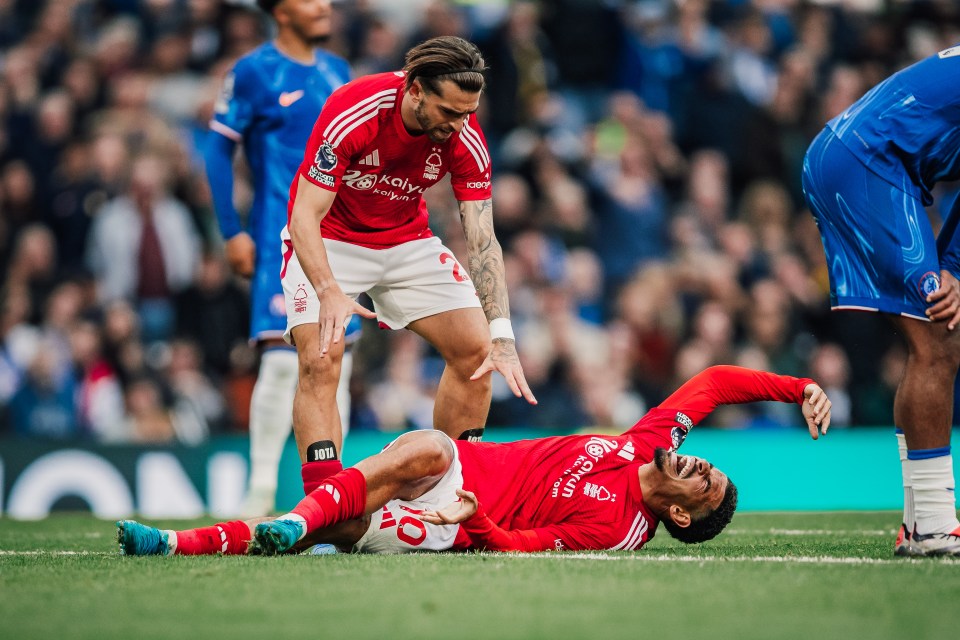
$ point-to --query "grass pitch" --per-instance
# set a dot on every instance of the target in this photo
(822, 575)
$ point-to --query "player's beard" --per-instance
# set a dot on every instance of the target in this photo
(436, 134)
(660, 458)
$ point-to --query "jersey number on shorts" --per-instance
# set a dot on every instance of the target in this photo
(410, 529)
(457, 275)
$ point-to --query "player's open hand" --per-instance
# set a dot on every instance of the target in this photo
(816, 410)
(336, 308)
(503, 358)
(241, 254)
(455, 513)
(945, 301)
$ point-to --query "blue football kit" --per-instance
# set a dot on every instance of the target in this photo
(867, 177)
(269, 103)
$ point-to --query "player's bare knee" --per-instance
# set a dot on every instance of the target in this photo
(316, 372)
(467, 357)
(425, 454)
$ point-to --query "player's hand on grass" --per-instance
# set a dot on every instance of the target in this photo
(945, 301)
(455, 513)
(503, 358)
(336, 308)
(241, 254)
(816, 410)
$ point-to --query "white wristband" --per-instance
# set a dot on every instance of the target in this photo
(501, 328)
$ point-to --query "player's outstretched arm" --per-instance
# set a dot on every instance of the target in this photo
(309, 208)
(816, 410)
(488, 275)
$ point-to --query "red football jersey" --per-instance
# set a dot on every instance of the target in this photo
(583, 492)
(360, 149)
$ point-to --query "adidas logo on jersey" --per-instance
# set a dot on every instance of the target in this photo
(372, 159)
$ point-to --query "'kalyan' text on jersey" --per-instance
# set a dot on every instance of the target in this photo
(360, 149)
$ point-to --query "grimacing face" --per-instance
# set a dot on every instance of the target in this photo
(440, 115)
(690, 482)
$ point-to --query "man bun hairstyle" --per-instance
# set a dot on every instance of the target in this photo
(445, 58)
(267, 6)
(706, 527)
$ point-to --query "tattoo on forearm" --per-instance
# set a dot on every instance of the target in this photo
(486, 258)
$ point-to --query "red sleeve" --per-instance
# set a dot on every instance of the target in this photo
(724, 384)
(348, 120)
(470, 174)
(485, 534)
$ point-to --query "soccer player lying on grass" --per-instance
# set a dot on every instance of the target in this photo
(579, 492)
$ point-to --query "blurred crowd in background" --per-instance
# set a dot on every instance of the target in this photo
(647, 196)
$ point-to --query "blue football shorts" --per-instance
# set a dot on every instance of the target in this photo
(880, 248)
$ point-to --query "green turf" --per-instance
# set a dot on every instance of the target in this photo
(717, 590)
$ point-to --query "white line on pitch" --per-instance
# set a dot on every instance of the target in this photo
(641, 557)
(813, 532)
(54, 553)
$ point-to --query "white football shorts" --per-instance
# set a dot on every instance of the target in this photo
(397, 529)
(408, 282)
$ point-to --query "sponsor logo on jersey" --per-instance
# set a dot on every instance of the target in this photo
(357, 180)
(558, 544)
(929, 282)
(431, 169)
(287, 98)
(597, 447)
(677, 436)
(321, 177)
(598, 492)
(372, 159)
(479, 185)
(326, 159)
(300, 299)
(627, 452)
(949, 53)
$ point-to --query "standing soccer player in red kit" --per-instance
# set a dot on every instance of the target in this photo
(589, 492)
(357, 223)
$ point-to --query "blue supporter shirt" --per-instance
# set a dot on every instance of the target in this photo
(269, 103)
(909, 123)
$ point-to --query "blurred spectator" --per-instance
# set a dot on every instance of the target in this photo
(646, 194)
(143, 247)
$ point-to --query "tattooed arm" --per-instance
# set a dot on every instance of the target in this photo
(488, 275)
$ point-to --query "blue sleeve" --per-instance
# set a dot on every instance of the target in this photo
(236, 105)
(948, 241)
(218, 157)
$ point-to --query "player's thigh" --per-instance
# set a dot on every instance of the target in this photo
(395, 528)
(356, 269)
(460, 335)
(421, 279)
(880, 248)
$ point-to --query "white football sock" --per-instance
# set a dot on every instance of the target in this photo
(933, 494)
(271, 417)
(343, 391)
(908, 515)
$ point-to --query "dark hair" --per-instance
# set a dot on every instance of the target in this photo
(445, 58)
(706, 527)
(268, 5)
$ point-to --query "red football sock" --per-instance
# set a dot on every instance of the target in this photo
(229, 538)
(339, 498)
(314, 473)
